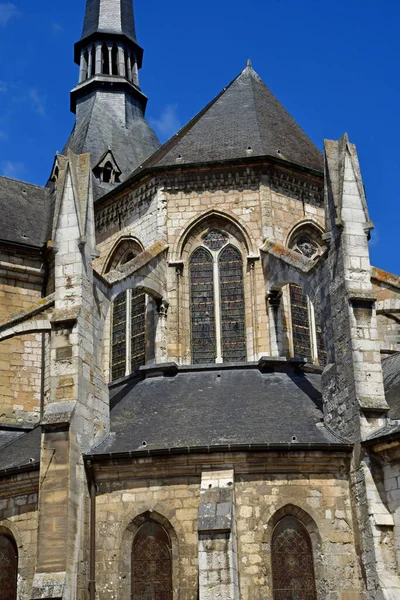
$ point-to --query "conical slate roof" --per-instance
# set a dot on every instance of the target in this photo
(109, 16)
(244, 120)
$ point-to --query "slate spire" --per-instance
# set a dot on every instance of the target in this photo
(108, 102)
(109, 16)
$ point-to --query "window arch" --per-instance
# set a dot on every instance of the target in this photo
(128, 320)
(217, 300)
(151, 563)
(307, 333)
(292, 561)
(8, 568)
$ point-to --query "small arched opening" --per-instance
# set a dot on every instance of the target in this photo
(8, 567)
(292, 561)
(152, 563)
(108, 173)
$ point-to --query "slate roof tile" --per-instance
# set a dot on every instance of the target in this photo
(25, 211)
(245, 119)
(204, 408)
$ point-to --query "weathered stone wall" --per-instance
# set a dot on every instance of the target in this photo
(19, 517)
(138, 214)
(391, 496)
(258, 207)
(317, 493)
(20, 357)
(388, 310)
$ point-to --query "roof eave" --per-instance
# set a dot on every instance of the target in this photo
(231, 448)
(243, 161)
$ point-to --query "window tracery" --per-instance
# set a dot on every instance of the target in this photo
(8, 568)
(217, 300)
(151, 563)
(292, 561)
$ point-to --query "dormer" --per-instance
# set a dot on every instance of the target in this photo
(107, 169)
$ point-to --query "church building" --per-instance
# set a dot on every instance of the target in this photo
(199, 366)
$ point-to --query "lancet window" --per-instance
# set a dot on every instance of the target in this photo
(128, 326)
(217, 301)
(292, 561)
(8, 568)
(151, 563)
(128, 333)
(307, 334)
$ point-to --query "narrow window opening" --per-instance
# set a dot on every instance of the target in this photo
(138, 329)
(232, 305)
(105, 62)
(108, 173)
(92, 62)
(119, 336)
(86, 65)
(114, 58)
(128, 333)
(202, 307)
(300, 323)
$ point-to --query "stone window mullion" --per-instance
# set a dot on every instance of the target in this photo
(217, 306)
(128, 331)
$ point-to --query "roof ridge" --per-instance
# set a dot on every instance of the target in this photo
(251, 70)
(40, 187)
(169, 144)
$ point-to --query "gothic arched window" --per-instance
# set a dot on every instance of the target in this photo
(8, 568)
(151, 563)
(307, 334)
(292, 561)
(217, 301)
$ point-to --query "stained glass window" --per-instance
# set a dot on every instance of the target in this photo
(202, 307)
(119, 337)
(232, 305)
(215, 240)
(292, 561)
(8, 568)
(300, 323)
(151, 563)
(138, 329)
(130, 305)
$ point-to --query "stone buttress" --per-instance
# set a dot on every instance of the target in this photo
(77, 414)
(353, 392)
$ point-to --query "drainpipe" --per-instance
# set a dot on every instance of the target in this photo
(92, 526)
(42, 374)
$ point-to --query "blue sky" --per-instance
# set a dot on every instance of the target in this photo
(334, 64)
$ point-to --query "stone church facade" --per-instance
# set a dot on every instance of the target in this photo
(200, 391)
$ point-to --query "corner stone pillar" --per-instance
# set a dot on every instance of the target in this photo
(218, 568)
(77, 412)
